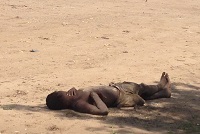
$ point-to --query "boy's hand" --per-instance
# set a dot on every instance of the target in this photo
(72, 92)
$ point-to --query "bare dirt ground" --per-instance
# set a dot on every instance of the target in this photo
(48, 45)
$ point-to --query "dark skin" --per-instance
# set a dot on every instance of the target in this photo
(162, 90)
(92, 100)
(96, 100)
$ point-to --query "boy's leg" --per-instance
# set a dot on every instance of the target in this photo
(162, 90)
(147, 90)
(165, 93)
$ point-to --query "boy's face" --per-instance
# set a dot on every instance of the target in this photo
(66, 100)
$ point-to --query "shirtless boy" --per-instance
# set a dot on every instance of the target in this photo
(96, 100)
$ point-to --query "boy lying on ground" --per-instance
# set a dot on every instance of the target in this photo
(96, 100)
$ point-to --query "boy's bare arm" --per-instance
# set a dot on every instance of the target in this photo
(99, 108)
(99, 103)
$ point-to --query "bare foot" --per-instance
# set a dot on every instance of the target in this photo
(164, 81)
(168, 85)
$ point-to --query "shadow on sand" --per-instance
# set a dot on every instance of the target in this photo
(178, 114)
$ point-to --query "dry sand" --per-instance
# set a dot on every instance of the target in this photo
(48, 45)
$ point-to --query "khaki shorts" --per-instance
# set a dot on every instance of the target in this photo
(128, 96)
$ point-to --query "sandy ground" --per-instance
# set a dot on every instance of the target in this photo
(48, 45)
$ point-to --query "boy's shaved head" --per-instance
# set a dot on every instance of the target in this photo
(54, 101)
